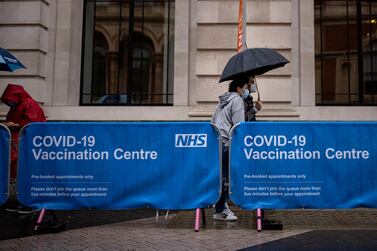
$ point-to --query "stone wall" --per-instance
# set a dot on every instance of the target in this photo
(24, 32)
(269, 24)
(46, 35)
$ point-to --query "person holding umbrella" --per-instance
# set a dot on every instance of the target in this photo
(237, 106)
(13, 96)
(230, 111)
(246, 65)
(23, 110)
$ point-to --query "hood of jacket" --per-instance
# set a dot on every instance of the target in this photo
(226, 98)
(15, 94)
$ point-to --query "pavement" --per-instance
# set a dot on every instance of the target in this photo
(304, 229)
(16, 225)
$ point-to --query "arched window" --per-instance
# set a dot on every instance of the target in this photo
(141, 73)
(131, 69)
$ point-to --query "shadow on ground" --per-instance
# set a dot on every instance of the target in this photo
(16, 225)
(334, 240)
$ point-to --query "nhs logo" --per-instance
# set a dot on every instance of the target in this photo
(191, 140)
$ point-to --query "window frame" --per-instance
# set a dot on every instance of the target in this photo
(167, 96)
(360, 57)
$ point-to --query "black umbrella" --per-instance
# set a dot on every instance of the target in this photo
(254, 61)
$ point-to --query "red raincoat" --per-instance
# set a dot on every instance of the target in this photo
(23, 111)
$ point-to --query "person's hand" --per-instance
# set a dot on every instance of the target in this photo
(11, 124)
(258, 105)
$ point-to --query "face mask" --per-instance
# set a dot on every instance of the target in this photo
(12, 104)
(245, 93)
(253, 88)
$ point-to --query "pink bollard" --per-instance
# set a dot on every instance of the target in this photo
(259, 219)
(197, 220)
(40, 218)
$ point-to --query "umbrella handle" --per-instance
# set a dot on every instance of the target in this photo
(255, 79)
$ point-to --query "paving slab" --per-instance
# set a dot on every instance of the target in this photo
(303, 227)
(146, 234)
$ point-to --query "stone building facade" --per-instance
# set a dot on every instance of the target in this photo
(50, 37)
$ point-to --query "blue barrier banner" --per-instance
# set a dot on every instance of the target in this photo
(304, 165)
(119, 165)
(4, 163)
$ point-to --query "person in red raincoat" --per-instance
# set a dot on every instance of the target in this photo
(23, 110)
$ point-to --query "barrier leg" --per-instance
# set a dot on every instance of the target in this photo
(40, 219)
(157, 213)
(259, 219)
(197, 220)
(167, 215)
(48, 227)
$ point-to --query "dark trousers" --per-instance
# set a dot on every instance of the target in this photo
(220, 205)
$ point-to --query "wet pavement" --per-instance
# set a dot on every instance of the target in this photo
(294, 219)
(331, 240)
(302, 230)
(16, 225)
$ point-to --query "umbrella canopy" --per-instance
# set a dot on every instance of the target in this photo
(8, 62)
(254, 61)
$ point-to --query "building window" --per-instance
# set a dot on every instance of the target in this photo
(346, 52)
(128, 52)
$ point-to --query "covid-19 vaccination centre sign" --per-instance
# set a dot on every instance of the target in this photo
(5, 141)
(119, 165)
(304, 165)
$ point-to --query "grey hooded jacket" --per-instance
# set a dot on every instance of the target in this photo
(229, 112)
